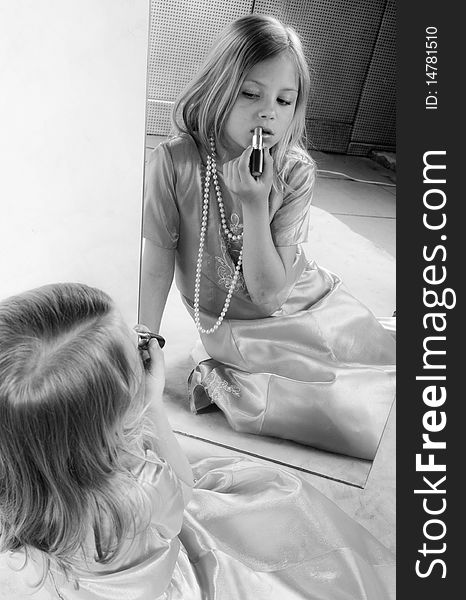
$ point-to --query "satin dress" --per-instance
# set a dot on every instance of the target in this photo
(248, 532)
(316, 367)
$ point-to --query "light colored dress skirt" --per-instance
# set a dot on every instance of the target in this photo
(319, 371)
(248, 531)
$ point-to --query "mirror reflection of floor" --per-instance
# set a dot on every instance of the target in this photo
(352, 234)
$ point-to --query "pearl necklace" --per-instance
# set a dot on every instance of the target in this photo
(211, 172)
(218, 192)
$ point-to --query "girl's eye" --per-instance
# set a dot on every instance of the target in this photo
(284, 102)
(250, 94)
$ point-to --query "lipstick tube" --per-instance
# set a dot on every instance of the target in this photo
(256, 164)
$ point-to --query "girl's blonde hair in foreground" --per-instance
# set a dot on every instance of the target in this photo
(205, 105)
(70, 406)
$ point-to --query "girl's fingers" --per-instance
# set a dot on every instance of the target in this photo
(141, 328)
(267, 156)
(157, 360)
(231, 173)
(239, 166)
(238, 177)
(227, 170)
(155, 372)
(268, 160)
(243, 163)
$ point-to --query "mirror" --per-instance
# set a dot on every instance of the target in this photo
(72, 117)
(181, 35)
(72, 154)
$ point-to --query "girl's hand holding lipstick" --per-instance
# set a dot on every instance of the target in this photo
(241, 183)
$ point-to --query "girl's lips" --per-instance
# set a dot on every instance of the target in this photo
(265, 132)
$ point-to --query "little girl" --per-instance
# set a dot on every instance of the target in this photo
(292, 354)
(94, 489)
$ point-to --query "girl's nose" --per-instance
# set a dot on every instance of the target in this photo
(267, 111)
(267, 115)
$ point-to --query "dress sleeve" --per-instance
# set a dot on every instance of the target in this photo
(161, 215)
(167, 494)
(290, 224)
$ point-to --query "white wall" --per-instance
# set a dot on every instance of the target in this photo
(72, 135)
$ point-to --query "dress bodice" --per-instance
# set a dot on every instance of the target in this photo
(172, 219)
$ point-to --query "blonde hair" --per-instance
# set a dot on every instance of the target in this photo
(69, 409)
(205, 105)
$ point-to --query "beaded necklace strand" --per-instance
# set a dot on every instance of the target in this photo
(211, 173)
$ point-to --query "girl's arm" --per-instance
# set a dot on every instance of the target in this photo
(166, 444)
(156, 278)
(265, 267)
